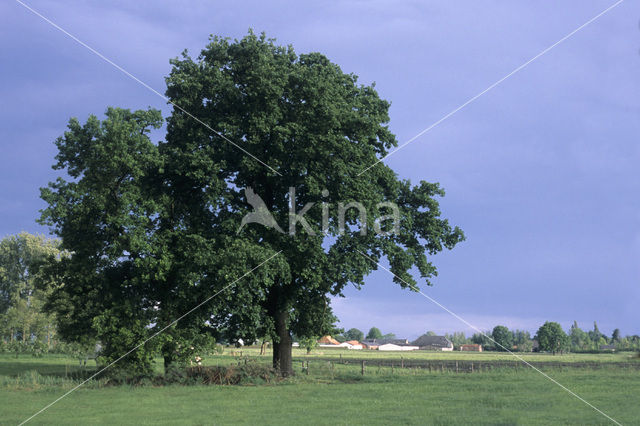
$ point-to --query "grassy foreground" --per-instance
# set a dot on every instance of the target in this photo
(330, 394)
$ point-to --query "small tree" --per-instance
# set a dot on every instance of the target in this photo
(596, 337)
(374, 333)
(552, 338)
(354, 334)
(503, 338)
(615, 337)
(578, 338)
(309, 343)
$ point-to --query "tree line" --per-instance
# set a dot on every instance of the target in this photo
(27, 325)
(550, 337)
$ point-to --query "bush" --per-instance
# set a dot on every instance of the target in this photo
(18, 347)
(247, 374)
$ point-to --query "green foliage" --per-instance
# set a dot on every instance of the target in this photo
(596, 337)
(502, 337)
(615, 336)
(552, 338)
(483, 339)
(579, 339)
(23, 292)
(303, 116)
(457, 338)
(247, 373)
(309, 343)
(104, 290)
(354, 334)
(153, 230)
(374, 333)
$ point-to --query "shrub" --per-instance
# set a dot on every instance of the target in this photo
(247, 374)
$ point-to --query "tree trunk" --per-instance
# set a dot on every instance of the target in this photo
(168, 362)
(282, 359)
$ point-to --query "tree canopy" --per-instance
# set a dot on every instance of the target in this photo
(502, 337)
(354, 334)
(155, 228)
(374, 333)
(21, 297)
(552, 338)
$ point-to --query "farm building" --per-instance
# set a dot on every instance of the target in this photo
(394, 347)
(354, 344)
(433, 343)
(370, 344)
(376, 343)
(472, 347)
(328, 340)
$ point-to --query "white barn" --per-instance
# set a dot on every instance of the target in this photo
(394, 347)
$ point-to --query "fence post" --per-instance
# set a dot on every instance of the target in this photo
(340, 358)
(472, 367)
(401, 362)
(363, 367)
(391, 368)
(456, 366)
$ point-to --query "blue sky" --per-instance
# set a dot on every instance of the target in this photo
(541, 172)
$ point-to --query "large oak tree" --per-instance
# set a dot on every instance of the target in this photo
(154, 229)
(318, 128)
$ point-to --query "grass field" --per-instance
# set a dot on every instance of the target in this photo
(334, 393)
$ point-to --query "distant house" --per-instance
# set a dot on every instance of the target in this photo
(471, 347)
(328, 341)
(376, 343)
(379, 343)
(394, 341)
(433, 343)
(394, 347)
(389, 345)
(370, 344)
(610, 348)
(354, 344)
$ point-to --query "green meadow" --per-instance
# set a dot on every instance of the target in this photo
(333, 392)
